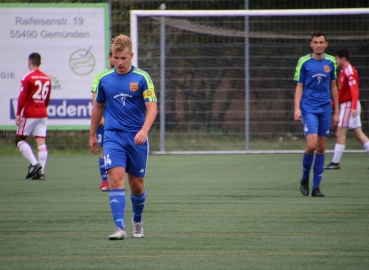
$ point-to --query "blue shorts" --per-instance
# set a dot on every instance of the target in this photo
(317, 123)
(121, 151)
(100, 135)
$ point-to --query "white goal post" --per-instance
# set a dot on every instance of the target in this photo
(230, 13)
(157, 15)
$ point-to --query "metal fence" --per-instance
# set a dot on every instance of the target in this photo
(205, 101)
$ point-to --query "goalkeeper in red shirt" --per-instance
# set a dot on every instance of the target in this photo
(348, 97)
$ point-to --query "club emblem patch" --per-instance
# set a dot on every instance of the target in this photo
(327, 69)
(133, 86)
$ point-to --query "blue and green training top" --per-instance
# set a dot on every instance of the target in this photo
(125, 96)
(316, 76)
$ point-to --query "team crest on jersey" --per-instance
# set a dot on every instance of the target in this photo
(133, 86)
(326, 69)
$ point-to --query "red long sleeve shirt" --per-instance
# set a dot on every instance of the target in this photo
(348, 86)
(34, 95)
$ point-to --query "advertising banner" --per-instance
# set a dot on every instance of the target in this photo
(73, 41)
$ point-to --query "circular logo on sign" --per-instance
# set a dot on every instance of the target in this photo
(82, 62)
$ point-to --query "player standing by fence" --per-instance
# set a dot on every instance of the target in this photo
(31, 116)
(316, 85)
(350, 108)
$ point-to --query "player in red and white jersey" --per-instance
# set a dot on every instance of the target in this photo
(31, 117)
(348, 96)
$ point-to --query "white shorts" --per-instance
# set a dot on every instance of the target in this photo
(346, 119)
(35, 126)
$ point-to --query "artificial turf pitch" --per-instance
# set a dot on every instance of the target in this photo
(202, 212)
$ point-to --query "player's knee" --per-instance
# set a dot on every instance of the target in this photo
(340, 138)
(136, 184)
(17, 140)
(311, 147)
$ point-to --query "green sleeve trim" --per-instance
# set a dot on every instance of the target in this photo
(98, 77)
(147, 77)
(148, 94)
(301, 61)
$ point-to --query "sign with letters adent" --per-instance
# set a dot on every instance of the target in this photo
(73, 41)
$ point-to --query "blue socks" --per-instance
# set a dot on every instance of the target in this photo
(318, 170)
(307, 160)
(104, 175)
(138, 203)
(117, 200)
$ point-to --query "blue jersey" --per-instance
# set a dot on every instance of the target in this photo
(316, 76)
(125, 96)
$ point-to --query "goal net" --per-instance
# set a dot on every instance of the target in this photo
(224, 79)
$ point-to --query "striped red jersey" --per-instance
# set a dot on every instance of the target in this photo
(34, 95)
(348, 86)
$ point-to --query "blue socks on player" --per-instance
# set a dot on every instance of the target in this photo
(318, 169)
(307, 161)
(104, 175)
(138, 203)
(117, 198)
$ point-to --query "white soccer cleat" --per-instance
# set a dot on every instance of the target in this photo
(138, 231)
(118, 234)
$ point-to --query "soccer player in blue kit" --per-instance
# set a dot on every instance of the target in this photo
(104, 186)
(127, 99)
(316, 86)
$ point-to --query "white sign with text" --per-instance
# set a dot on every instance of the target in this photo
(72, 40)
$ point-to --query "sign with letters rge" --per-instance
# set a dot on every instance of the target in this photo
(73, 41)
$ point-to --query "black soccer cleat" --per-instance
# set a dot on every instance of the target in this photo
(316, 193)
(332, 166)
(304, 188)
(39, 176)
(33, 170)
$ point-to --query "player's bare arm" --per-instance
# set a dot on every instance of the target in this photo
(18, 119)
(21, 103)
(97, 113)
(102, 121)
(151, 112)
(93, 103)
(297, 100)
(334, 94)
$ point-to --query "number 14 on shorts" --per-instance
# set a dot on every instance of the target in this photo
(107, 160)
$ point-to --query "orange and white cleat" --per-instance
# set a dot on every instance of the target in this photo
(104, 186)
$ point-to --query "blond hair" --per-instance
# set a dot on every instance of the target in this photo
(120, 43)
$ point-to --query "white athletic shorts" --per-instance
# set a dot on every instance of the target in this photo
(346, 119)
(35, 126)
